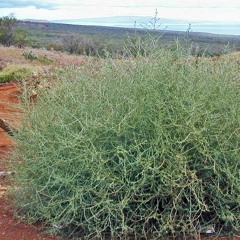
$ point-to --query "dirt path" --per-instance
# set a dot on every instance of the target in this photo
(10, 227)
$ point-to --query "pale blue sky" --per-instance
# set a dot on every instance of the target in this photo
(218, 10)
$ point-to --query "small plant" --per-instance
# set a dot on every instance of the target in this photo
(29, 54)
(226, 49)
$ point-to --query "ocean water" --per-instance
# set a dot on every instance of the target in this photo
(228, 29)
(231, 29)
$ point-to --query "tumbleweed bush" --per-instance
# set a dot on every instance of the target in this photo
(144, 147)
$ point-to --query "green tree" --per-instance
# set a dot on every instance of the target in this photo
(7, 28)
(21, 37)
(10, 34)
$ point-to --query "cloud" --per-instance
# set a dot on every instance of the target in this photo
(27, 3)
(225, 10)
(56, 4)
(153, 3)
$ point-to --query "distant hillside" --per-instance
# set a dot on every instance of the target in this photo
(35, 20)
(43, 33)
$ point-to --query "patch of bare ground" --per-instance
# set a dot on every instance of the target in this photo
(10, 55)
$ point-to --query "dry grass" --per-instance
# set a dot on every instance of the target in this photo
(14, 55)
(40, 68)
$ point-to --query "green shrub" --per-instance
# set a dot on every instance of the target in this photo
(145, 147)
(14, 72)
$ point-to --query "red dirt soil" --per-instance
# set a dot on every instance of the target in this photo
(10, 227)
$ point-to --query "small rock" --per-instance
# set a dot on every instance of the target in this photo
(34, 74)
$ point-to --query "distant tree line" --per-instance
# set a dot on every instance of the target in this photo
(10, 33)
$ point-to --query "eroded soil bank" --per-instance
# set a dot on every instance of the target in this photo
(10, 227)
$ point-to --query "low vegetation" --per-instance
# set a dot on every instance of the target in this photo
(15, 72)
(143, 147)
(29, 54)
(55, 36)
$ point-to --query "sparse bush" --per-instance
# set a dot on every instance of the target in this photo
(146, 147)
(55, 46)
(82, 45)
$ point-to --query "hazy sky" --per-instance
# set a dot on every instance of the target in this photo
(219, 10)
